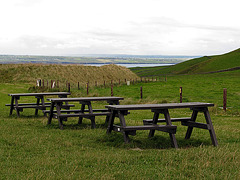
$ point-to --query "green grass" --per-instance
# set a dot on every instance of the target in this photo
(199, 65)
(29, 149)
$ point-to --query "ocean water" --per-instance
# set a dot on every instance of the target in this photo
(132, 65)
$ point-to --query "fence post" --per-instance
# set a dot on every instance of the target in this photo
(225, 99)
(180, 90)
(111, 89)
(141, 92)
(69, 89)
(87, 88)
(78, 86)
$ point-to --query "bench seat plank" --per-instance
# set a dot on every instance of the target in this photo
(150, 121)
(25, 104)
(85, 114)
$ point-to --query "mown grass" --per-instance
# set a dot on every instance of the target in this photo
(29, 149)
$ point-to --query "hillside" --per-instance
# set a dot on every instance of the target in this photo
(72, 73)
(204, 64)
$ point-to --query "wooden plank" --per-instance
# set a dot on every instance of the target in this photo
(40, 94)
(86, 99)
(25, 104)
(85, 114)
(33, 106)
(150, 121)
(77, 110)
(159, 106)
(196, 124)
(150, 127)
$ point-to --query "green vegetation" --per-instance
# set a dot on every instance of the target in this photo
(71, 73)
(29, 149)
(204, 64)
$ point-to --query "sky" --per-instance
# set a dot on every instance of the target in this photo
(137, 27)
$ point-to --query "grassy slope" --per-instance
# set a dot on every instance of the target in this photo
(198, 65)
(63, 73)
(32, 150)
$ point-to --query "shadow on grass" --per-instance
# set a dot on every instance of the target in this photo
(156, 142)
(76, 126)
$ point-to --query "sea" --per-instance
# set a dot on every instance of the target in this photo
(132, 65)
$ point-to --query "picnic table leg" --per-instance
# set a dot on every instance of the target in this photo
(189, 130)
(168, 121)
(36, 110)
(93, 124)
(211, 130)
(12, 105)
(51, 113)
(16, 105)
(111, 121)
(123, 124)
(82, 111)
(155, 119)
(58, 107)
(116, 102)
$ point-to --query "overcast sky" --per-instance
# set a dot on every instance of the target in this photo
(139, 27)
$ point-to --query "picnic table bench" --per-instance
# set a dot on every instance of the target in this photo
(151, 124)
(39, 105)
(89, 113)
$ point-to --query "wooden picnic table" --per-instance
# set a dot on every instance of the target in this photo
(89, 113)
(151, 124)
(39, 105)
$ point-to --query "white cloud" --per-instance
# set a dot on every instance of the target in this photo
(128, 27)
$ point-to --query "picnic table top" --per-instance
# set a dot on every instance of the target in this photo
(159, 106)
(40, 94)
(85, 99)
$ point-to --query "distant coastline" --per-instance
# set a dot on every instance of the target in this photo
(97, 60)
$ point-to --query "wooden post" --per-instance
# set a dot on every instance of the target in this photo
(78, 86)
(96, 83)
(225, 99)
(104, 83)
(119, 81)
(141, 92)
(87, 88)
(51, 83)
(180, 91)
(69, 89)
(111, 89)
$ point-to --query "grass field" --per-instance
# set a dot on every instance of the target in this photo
(204, 64)
(29, 149)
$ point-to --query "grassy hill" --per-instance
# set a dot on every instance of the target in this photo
(199, 65)
(72, 73)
